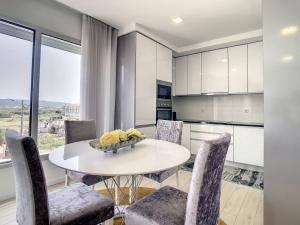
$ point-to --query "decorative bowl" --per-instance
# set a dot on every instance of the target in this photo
(115, 147)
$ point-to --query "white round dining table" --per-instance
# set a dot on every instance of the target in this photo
(147, 156)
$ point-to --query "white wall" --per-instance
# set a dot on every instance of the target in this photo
(7, 188)
(282, 111)
(237, 108)
(46, 14)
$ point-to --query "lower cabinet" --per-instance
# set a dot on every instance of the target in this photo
(246, 146)
(249, 145)
(230, 153)
(186, 136)
(149, 131)
(205, 132)
(195, 145)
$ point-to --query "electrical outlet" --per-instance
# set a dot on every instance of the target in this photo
(246, 110)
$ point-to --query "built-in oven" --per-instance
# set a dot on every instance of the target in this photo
(164, 90)
(164, 101)
(163, 113)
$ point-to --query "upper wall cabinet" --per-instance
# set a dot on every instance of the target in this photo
(238, 69)
(181, 73)
(164, 63)
(145, 81)
(255, 67)
(194, 74)
(215, 71)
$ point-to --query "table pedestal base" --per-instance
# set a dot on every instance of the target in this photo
(124, 199)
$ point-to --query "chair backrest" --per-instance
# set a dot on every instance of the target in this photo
(79, 130)
(168, 130)
(204, 195)
(31, 190)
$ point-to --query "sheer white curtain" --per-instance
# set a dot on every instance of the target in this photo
(98, 73)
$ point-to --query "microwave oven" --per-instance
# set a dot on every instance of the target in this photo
(164, 90)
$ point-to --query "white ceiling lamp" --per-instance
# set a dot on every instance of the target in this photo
(287, 31)
(177, 20)
(224, 60)
(287, 58)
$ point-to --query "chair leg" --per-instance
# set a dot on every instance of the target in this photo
(177, 179)
(117, 190)
(67, 178)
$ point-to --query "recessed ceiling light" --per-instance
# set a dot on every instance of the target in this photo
(286, 31)
(234, 69)
(177, 20)
(224, 60)
(287, 58)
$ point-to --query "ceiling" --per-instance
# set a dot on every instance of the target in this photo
(203, 20)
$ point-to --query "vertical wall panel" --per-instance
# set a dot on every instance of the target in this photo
(282, 111)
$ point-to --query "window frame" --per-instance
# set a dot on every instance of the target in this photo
(38, 32)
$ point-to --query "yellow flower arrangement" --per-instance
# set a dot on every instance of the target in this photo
(122, 135)
(109, 138)
(133, 133)
(116, 136)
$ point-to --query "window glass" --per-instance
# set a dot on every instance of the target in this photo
(59, 90)
(16, 46)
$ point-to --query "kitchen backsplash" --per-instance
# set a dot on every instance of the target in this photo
(237, 108)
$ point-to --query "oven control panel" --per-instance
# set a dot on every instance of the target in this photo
(163, 103)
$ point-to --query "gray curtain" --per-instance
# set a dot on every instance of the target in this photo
(98, 73)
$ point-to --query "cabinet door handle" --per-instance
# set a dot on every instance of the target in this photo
(214, 93)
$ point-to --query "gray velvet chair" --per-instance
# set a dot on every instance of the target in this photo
(80, 131)
(171, 131)
(75, 204)
(170, 206)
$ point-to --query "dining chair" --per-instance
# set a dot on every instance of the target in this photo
(81, 130)
(201, 205)
(171, 131)
(75, 204)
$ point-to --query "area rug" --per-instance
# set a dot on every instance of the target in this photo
(237, 175)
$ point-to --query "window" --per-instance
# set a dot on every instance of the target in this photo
(59, 90)
(39, 84)
(16, 47)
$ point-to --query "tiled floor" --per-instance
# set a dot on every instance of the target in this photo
(240, 205)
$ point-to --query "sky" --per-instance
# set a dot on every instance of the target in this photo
(59, 75)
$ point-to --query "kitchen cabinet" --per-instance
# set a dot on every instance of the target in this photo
(206, 132)
(238, 69)
(215, 71)
(186, 136)
(173, 78)
(195, 145)
(181, 75)
(145, 105)
(148, 131)
(164, 63)
(194, 74)
(246, 145)
(255, 67)
(249, 145)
